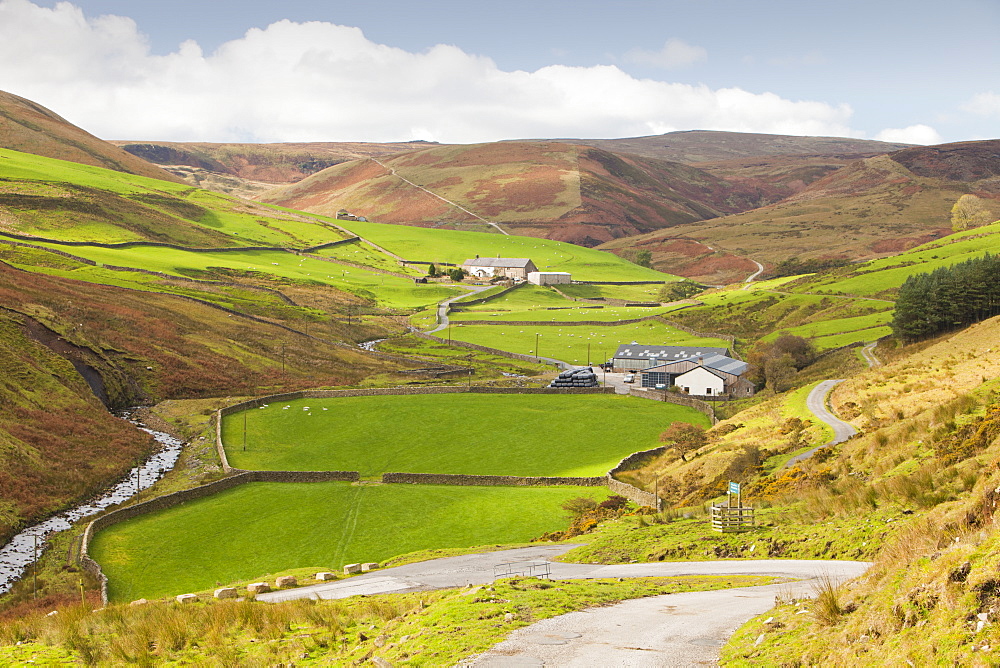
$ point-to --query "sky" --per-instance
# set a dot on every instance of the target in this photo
(915, 71)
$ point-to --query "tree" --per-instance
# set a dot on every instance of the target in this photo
(456, 274)
(685, 437)
(679, 290)
(644, 258)
(432, 271)
(968, 213)
(775, 363)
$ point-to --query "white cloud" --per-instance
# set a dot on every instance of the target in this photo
(983, 104)
(674, 54)
(323, 82)
(913, 134)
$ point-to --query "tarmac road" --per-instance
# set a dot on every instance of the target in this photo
(816, 402)
(671, 630)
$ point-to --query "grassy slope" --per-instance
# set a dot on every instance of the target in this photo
(31, 128)
(570, 344)
(69, 201)
(586, 264)
(468, 433)
(57, 443)
(385, 289)
(274, 526)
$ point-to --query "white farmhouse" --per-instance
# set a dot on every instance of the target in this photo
(701, 382)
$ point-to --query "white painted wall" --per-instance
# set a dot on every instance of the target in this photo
(700, 382)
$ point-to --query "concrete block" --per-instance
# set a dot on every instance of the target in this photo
(187, 598)
(286, 581)
(352, 568)
(258, 587)
(226, 592)
(326, 575)
(368, 567)
(140, 601)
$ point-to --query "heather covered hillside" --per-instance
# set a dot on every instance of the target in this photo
(577, 194)
(875, 207)
(29, 127)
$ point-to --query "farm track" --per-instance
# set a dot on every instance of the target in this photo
(443, 199)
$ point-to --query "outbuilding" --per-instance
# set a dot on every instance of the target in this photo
(636, 356)
(705, 376)
(549, 278)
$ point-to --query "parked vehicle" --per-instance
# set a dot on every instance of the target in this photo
(630, 378)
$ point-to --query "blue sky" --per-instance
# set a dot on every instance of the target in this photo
(462, 71)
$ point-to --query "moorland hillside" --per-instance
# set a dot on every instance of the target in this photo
(31, 128)
(874, 207)
(695, 147)
(248, 169)
(557, 191)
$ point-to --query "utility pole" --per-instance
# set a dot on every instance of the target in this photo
(588, 353)
(536, 346)
(138, 475)
(245, 412)
(34, 570)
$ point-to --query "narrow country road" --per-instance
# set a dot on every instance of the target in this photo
(670, 630)
(442, 313)
(751, 277)
(434, 194)
(816, 402)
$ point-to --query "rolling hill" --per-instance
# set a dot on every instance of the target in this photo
(695, 147)
(557, 191)
(248, 169)
(874, 207)
(31, 128)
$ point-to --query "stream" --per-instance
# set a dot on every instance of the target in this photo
(370, 345)
(20, 552)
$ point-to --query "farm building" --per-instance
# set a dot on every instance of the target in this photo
(709, 375)
(635, 357)
(550, 277)
(516, 268)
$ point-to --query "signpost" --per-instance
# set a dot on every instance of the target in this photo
(732, 517)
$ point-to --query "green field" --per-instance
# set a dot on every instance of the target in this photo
(385, 289)
(638, 293)
(532, 302)
(838, 332)
(570, 343)
(430, 245)
(877, 276)
(486, 434)
(108, 206)
(262, 528)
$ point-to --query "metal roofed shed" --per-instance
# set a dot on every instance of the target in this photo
(636, 357)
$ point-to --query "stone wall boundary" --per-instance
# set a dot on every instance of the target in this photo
(675, 398)
(458, 306)
(177, 498)
(490, 480)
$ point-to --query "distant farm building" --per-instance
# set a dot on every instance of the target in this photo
(344, 214)
(636, 357)
(516, 268)
(708, 375)
(549, 277)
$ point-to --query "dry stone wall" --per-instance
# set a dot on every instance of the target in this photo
(490, 480)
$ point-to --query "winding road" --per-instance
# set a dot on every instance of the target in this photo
(816, 402)
(669, 630)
